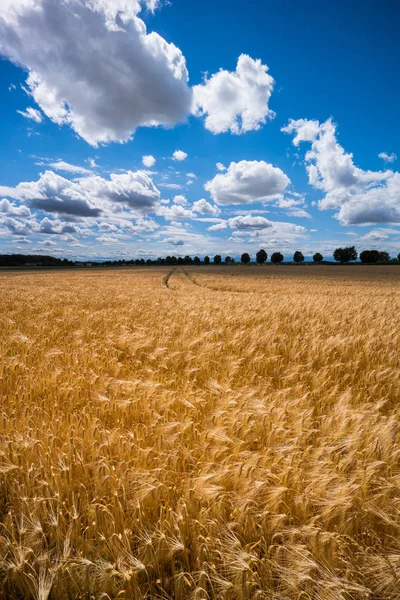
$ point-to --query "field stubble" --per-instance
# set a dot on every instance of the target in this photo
(225, 434)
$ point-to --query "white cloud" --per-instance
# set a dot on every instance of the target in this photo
(61, 165)
(17, 227)
(89, 196)
(191, 175)
(106, 75)
(180, 199)
(179, 155)
(32, 114)
(175, 212)
(220, 166)
(235, 101)
(12, 210)
(249, 222)
(173, 241)
(375, 236)
(205, 208)
(246, 182)
(388, 158)
(108, 239)
(361, 197)
(219, 226)
(148, 161)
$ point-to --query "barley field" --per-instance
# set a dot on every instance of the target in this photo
(201, 433)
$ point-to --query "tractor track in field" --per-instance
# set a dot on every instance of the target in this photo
(194, 282)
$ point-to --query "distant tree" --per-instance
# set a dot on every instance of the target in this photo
(384, 257)
(261, 257)
(245, 258)
(277, 258)
(180, 260)
(149, 261)
(345, 255)
(187, 260)
(369, 256)
(318, 257)
(206, 260)
(398, 257)
(298, 257)
(174, 260)
(196, 260)
(228, 260)
(217, 259)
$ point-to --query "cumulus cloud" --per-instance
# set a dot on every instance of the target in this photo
(205, 208)
(388, 158)
(17, 227)
(220, 167)
(375, 236)
(180, 199)
(179, 155)
(219, 226)
(173, 241)
(148, 161)
(13, 210)
(31, 113)
(89, 196)
(243, 222)
(235, 101)
(106, 75)
(246, 182)
(361, 197)
(175, 212)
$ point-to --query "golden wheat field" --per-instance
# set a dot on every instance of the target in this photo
(200, 434)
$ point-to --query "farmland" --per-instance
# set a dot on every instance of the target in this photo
(206, 433)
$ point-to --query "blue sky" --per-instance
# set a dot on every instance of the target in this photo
(293, 101)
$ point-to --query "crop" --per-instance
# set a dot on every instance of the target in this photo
(230, 433)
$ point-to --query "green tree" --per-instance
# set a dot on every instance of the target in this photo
(369, 256)
(206, 260)
(345, 255)
(384, 257)
(318, 257)
(298, 257)
(261, 257)
(228, 260)
(196, 260)
(277, 258)
(217, 259)
(245, 258)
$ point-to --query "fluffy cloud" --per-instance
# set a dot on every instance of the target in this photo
(246, 182)
(32, 114)
(235, 101)
(205, 208)
(361, 197)
(219, 226)
(89, 196)
(175, 212)
(106, 75)
(179, 155)
(388, 158)
(12, 210)
(17, 227)
(148, 161)
(173, 241)
(243, 222)
(180, 199)
(220, 167)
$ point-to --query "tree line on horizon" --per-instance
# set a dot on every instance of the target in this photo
(340, 255)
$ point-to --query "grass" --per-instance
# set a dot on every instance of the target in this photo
(226, 435)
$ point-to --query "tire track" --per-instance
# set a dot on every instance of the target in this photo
(190, 278)
(168, 276)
